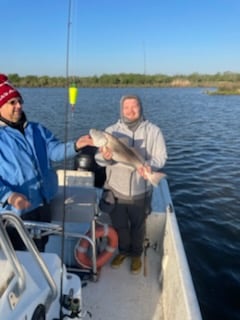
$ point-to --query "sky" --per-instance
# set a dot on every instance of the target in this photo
(96, 37)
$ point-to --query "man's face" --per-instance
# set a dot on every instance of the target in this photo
(12, 110)
(131, 109)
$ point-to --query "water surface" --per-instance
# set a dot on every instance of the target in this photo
(202, 137)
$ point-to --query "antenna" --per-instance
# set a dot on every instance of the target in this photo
(144, 58)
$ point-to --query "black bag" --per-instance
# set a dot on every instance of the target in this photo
(107, 201)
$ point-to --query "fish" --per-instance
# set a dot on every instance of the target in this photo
(121, 153)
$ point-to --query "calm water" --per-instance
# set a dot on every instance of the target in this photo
(202, 136)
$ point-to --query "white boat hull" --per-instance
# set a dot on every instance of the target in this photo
(163, 290)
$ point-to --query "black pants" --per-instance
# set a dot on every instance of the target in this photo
(40, 214)
(129, 218)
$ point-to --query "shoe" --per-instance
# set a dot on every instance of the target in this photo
(136, 265)
(118, 260)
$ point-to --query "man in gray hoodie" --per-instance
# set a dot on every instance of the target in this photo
(129, 188)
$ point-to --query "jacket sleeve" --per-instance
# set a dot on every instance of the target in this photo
(5, 193)
(156, 148)
(56, 149)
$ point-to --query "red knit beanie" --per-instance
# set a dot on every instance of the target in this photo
(7, 91)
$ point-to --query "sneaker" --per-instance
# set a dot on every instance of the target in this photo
(118, 260)
(136, 265)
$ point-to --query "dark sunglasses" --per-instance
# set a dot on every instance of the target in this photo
(16, 101)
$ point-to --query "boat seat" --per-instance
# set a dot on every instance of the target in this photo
(80, 204)
(78, 196)
(77, 200)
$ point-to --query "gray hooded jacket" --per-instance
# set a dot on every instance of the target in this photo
(148, 140)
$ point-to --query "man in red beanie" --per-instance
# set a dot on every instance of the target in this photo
(28, 181)
(7, 92)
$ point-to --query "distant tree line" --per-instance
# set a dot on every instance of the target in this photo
(130, 80)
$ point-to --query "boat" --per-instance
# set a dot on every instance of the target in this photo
(57, 284)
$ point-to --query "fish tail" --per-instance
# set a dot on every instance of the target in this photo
(155, 177)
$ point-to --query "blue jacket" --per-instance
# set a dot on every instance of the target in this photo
(25, 164)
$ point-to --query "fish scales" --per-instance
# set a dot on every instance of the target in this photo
(123, 154)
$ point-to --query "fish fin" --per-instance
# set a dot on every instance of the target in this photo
(124, 141)
(155, 177)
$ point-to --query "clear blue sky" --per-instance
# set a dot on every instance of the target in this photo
(114, 36)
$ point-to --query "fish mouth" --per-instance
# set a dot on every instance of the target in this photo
(91, 132)
(98, 137)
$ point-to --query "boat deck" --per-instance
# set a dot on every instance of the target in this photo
(119, 295)
(164, 291)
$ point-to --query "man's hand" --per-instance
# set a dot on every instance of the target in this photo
(144, 170)
(19, 201)
(106, 153)
(83, 142)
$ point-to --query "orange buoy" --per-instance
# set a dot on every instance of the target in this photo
(81, 248)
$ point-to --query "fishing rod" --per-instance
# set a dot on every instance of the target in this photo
(72, 89)
(71, 101)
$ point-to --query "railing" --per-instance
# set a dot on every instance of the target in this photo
(46, 229)
(9, 218)
(10, 254)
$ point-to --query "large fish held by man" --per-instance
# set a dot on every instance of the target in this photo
(123, 154)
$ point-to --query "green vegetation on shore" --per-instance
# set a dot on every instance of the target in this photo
(224, 83)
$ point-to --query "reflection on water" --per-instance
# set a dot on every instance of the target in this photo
(202, 136)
